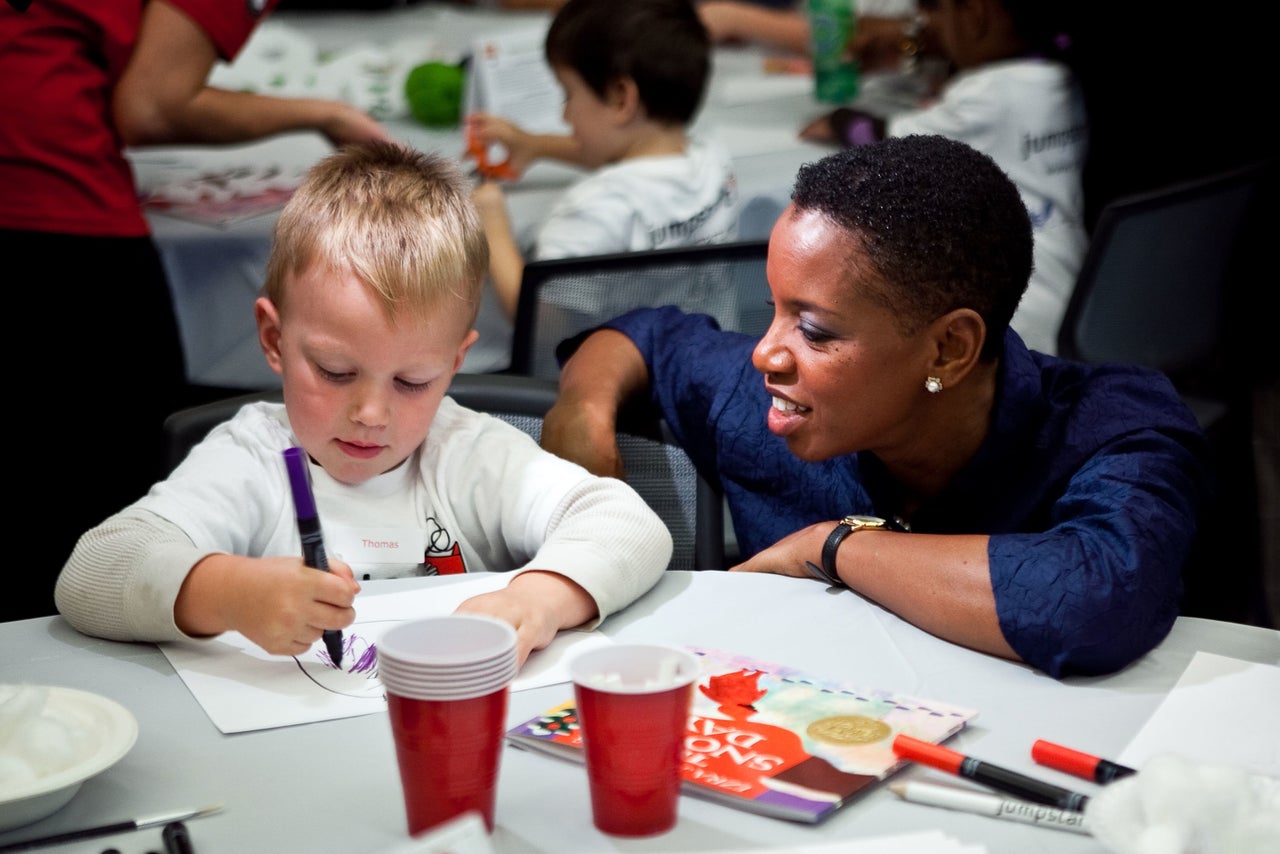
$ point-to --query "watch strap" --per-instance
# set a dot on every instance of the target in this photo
(846, 526)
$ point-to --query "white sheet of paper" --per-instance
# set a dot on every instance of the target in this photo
(509, 77)
(242, 688)
(1222, 711)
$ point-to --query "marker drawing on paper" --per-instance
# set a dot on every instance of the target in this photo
(242, 688)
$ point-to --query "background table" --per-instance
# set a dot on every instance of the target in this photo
(333, 786)
(216, 271)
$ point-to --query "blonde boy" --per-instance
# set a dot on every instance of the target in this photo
(372, 288)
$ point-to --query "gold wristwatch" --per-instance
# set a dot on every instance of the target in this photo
(846, 526)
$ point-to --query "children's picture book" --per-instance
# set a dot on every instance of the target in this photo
(773, 740)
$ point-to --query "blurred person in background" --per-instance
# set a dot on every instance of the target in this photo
(83, 80)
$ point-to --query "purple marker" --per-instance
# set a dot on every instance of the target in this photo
(304, 508)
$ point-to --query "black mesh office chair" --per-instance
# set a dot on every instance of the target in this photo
(758, 216)
(657, 468)
(560, 298)
(1155, 284)
(1165, 284)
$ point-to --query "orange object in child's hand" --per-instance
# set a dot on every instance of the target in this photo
(477, 150)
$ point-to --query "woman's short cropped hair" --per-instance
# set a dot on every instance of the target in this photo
(940, 224)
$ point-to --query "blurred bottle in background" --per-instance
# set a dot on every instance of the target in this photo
(835, 74)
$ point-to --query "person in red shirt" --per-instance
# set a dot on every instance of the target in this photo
(81, 80)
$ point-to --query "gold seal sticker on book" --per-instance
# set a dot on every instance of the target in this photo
(849, 729)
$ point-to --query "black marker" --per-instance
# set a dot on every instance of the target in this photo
(1002, 779)
(304, 507)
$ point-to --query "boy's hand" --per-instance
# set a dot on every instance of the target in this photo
(819, 130)
(279, 603)
(490, 201)
(846, 127)
(483, 131)
(538, 604)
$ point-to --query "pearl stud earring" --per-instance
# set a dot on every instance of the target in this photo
(933, 385)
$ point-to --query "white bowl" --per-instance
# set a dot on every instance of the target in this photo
(105, 732)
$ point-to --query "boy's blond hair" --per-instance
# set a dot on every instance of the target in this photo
(401, 220)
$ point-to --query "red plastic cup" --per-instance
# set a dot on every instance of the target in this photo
(448, 752)
(447, 680)
(633, 707)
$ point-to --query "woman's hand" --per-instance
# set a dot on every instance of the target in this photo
(788, 555)
(349, 124)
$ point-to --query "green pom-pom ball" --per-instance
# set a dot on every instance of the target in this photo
(434, 93)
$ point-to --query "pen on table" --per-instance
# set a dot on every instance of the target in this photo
(1078, 763)
(992, 805)
(177, 839)
(304, 506)
(107, 829)
(1003, 779)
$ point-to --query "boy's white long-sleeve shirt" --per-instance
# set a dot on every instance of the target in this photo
(478, 495)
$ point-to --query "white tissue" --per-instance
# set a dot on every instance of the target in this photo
(604, 681)
(668, 670)
(33, 743)
(1173, 806)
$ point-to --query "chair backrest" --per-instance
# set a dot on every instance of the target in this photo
(758, 216)
(560, 298)
(184, 428)
(1153, 286)
(656, 467)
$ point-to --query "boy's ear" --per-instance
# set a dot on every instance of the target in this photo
(470, 338)
(623, 96)
(268, 319)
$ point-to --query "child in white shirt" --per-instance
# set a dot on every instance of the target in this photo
(1014, 97)
(633, 76)
(372, 289)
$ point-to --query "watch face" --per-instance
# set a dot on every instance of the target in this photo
(856, 523)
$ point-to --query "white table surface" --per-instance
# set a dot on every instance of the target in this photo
(216, 271)
(333, 786)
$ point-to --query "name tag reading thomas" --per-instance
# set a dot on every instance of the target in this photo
(384, 552)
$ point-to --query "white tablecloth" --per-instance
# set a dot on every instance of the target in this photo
(333, 787)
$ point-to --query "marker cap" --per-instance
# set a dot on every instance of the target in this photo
(295, 461)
